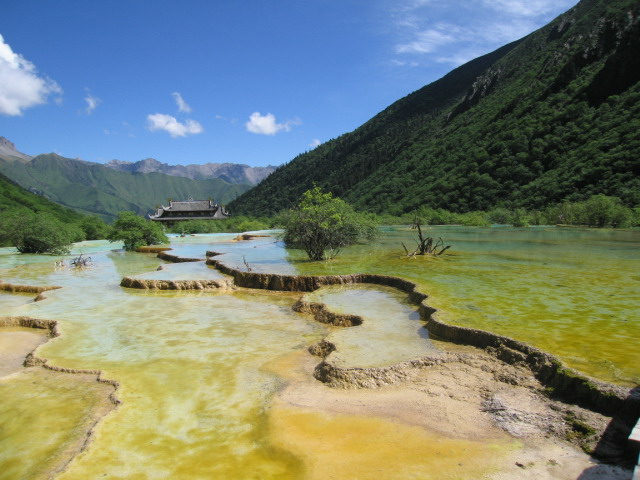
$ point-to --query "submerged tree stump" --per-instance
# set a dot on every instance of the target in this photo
(426, 245)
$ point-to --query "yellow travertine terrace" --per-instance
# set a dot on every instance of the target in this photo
(201, 373)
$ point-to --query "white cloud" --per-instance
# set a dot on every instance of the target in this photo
(267, 124)
(402, 63)
(460, 57)
(182, 105)
(314, 143)
(226, 119)
(426, 42)
(160, 121)
(455, 32)
(92, 103)
(528, 8)
(20, 85)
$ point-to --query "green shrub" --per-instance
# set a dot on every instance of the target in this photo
(136, 232)
(538, 218)
(233, 225)
(38, 232)
(438, 216)
(94, 228)
(196, 226)
(519, 218)
(473, 219)
(565, 213)
(598, 211)
(602, 211)
(322, 224)
(499, 216)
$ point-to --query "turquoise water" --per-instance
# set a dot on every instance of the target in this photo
(196, 368)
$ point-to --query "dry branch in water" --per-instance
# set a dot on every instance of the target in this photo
(426, 246)
(80, 262)
(246, 264)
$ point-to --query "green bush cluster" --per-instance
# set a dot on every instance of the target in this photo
(598, 211)
(435, 216)
(94, 228)
(321, 224)
(134, 231)
(33, 232)
(23, 214)
(234, 224)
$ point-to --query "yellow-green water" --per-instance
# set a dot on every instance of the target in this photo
(195, 398)
(193, 366)
(43, 418)
(572, 292)
(391, 331)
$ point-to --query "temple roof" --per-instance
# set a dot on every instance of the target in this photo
(189, 210)
(191, 206)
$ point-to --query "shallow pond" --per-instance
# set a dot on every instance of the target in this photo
(572, 292)
(391, 331)
(195, 371)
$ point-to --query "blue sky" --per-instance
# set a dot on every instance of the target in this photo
(254, 81)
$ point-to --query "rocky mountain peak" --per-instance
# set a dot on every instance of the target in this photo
(8, 148)
(229, 172)
(6, 143)
(150, 161)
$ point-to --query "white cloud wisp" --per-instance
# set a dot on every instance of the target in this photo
(456, 32)
(426, 42)
(526, 8)
(20, 85)
(267, 124)
(169, 124)
(182, 105)
(92, 103)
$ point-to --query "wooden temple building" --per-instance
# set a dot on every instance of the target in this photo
(189, 210)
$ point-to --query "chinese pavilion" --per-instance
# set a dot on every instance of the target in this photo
(189, 210)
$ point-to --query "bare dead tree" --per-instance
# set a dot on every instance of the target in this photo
(426, 245)
(80, 262)
(246, 264)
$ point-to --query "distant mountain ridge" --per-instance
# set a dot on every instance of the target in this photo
(93, 188)
(229, 172)
(105, 190)
(554, 116)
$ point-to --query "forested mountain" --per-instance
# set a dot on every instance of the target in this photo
(553, 116)
(229, 172)
(13, 196)
(95, 189)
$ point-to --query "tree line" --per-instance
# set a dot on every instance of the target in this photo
(320, 224)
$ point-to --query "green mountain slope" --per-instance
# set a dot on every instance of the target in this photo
(96, 189)
(13, 196)
(553, 116)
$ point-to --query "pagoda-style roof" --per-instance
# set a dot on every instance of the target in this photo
(191, 206)
(189, 210)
